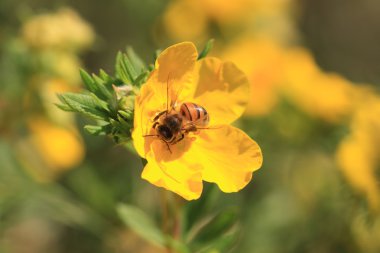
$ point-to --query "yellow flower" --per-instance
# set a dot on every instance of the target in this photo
(64, 30)
(195, 19)
(221, 154)
(277, 72)
(48, 92)
(60, 148)
(358, 154)
(328, 96)
(191, 19)
(263, 62)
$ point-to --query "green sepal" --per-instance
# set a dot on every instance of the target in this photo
(209, 45)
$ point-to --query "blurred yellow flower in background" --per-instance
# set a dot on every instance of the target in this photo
(62, 30)
(224, 154)
(358, 154)
(61, 64)
(60, 147)
(196, 19)
(185, 20)
(192, 19)
(48, 91)
(262, 60)
(51, 144)
(277, 72)
(325, 96)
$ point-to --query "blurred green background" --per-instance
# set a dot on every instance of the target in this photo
(315, 112)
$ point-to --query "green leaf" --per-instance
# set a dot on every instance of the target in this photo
(220, 244)
(217, 225)
(107, 78)
(98, 130)
(136, 61)
(140, 223)
(121, 70)
(82, 103)
(64, 107)
(125, 69)
(141, 79)
(156, 54)
(206, 49)
(125, 114)
(96, 85)
(88, 81)
(102, 88)
(195, 210)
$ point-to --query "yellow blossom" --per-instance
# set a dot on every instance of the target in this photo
(262, 60)
(48, 92)
(358, 154)
(277, 72)
(191, 19)
(63, 65)
(64, 30)
(60, 148)
(221, 154)
(195, 19)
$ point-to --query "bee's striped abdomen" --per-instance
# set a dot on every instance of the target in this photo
(195, 113)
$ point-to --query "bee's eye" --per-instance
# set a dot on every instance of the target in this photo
(165, 132)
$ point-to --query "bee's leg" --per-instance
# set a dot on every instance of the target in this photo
(190, 128)
(167, 144)
(179, 139)
(159, 115)
(154, 125)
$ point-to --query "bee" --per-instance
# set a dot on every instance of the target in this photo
(172, 125)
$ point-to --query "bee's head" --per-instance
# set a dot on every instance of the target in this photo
(165, 132)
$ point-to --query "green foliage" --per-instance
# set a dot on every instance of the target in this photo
(140, 223)
(109, 100)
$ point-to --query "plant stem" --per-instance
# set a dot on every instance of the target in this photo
(171, 208)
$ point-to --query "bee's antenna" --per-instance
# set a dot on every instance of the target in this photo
(167, 93)
(150, 135)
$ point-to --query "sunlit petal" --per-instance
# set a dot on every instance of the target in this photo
(174, 72)
(222, 89)
(228, 157)
(175, 176)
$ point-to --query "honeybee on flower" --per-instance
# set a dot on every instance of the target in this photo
(182, 124)
(171, 125)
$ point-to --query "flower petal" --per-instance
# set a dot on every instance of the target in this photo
(175, 176)
(175, 71)
(146, 106)
(222, 90)
(228, 156)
